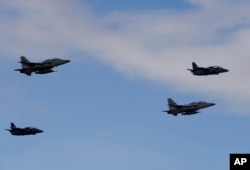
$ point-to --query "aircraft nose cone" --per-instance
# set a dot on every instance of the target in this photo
(67, 61)
(39, 131)
(225, 70)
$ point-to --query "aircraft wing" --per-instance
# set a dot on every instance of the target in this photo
(179, 106)
(204, 69)
(27, 72)
(45, 70)
(190, 112)
(30, 64)
(21, 130)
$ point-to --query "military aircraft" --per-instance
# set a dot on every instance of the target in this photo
(23, 131)
(188, 109)
(40, 67)
(201, 71)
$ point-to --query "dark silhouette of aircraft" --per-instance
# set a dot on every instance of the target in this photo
(188, 109)
(43, 67)
(23, 131)
(212, 70)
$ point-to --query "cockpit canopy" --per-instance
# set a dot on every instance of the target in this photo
(215, 67)
(51, 60)
(196, 103)
(30, 128)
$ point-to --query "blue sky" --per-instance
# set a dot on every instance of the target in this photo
(101, 7)
(103, 110)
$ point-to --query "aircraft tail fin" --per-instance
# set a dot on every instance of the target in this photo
(171, 104)
(195, 66)
(24, 61)
(12, 125)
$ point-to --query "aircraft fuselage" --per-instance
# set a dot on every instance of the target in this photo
(23, 131)
(188, 109)
(43, 67)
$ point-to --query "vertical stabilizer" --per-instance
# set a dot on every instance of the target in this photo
(171, 104)
(195, 66)
(24, 61)
(12, 125)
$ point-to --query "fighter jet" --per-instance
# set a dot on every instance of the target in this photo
(188, 109)
(23, 131)
(40, 67)
(212, 70)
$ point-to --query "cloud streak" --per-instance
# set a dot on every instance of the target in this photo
(155, 45)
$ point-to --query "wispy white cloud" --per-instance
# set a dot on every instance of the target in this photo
(155, 45)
